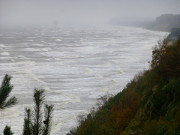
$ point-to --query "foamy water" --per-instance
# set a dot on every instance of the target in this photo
(74, 65)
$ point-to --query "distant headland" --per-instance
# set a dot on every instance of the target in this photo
(165, 22)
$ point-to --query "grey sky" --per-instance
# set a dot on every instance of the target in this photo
(81, 11)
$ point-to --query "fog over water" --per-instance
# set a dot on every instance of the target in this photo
(68, 48)
(73, 12)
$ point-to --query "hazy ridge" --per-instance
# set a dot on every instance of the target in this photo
(165, 22)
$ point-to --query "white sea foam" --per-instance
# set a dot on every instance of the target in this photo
(27, 68)
(2, 46)
(9, 112)
(46, 49)
(36, 44)
(30, 40)
(58, 40)
(21, 57)
(5, 54)
(63, 97)
(32, 49)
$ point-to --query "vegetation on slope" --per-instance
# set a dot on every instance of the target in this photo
(149, 105)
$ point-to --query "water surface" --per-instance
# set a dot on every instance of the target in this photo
(74, 65)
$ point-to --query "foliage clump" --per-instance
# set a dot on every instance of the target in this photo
(7, 131)
(5, 90)
(34, 124)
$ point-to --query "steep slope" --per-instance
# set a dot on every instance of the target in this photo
(149, 105)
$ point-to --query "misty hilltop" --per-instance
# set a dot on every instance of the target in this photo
(165, 22)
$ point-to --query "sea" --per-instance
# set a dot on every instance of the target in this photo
(75, 65)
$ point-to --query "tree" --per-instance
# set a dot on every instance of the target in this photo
(7, 131)
(5, 89)
(33, 121)
(27, 123)
(47, 119)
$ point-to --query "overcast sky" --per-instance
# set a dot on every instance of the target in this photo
(81, 11)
